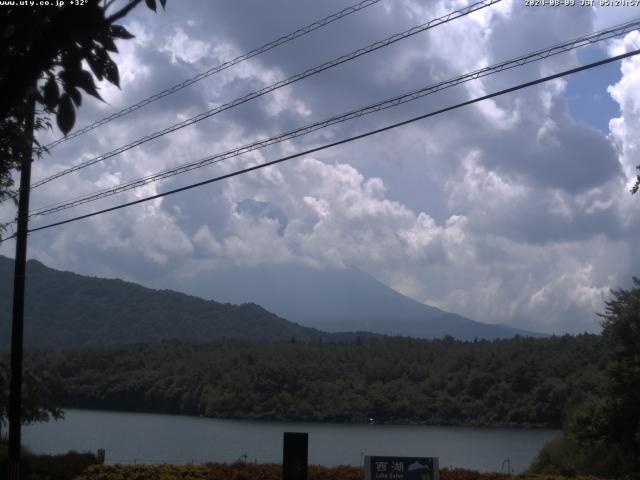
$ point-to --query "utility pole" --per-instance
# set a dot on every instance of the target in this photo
(17, 324)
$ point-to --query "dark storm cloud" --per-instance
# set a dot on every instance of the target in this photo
(564, 154)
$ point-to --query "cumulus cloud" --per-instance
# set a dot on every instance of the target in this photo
(625, 93)
(507, 211)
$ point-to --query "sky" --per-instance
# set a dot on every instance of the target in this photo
(513, 210)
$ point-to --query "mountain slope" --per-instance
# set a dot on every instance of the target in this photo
(66, 309)
(340, 300)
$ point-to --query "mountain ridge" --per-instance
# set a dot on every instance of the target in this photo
(77, 310)
(73, 310)
(358, 301)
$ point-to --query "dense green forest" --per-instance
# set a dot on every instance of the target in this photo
(522, 381)
(71, 310)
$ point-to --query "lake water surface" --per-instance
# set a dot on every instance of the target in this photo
(151, 438)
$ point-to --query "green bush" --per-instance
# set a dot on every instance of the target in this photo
(569, 457)
(58, 467)
(219, 471)
(48, 467)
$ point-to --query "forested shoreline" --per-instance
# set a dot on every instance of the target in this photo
(522, 382)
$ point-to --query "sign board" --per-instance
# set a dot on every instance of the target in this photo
(401, 468)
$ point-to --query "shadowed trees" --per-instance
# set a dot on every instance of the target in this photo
(602, 435)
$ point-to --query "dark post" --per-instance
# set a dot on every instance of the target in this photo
(17, 324)
(295, 456)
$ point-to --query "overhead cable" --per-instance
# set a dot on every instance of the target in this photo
(383, 105)
(218, 68)
(340, 142)
(274, 86)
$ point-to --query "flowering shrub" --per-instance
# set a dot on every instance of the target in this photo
(271, 471)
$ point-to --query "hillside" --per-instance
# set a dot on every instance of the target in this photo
(336, 300)
(64, 309)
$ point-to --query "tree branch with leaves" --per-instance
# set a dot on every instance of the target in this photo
(43, 54)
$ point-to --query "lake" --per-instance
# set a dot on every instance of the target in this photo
(152, 438)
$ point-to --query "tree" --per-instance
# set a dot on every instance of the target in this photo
(602, 436)
(40, 402)
(621, 330)
(43, 53)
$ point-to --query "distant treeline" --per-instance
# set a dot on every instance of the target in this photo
(517, 382)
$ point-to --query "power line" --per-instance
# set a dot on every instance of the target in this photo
(383, 105)
(218, 68)
(340, 142)
(274, 86)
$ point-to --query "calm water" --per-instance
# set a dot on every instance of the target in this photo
(150, 438)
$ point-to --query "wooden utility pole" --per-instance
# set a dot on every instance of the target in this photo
(17, 324)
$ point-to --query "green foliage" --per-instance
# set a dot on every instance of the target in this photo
(72, 310)
(621, 330)
(602, 433)
(44, 51)
(50, 467)
(59, 42)
(394, 380)
(40, 400)
(240, 471)
(569, 456)
(13, 143)
(58, 467)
